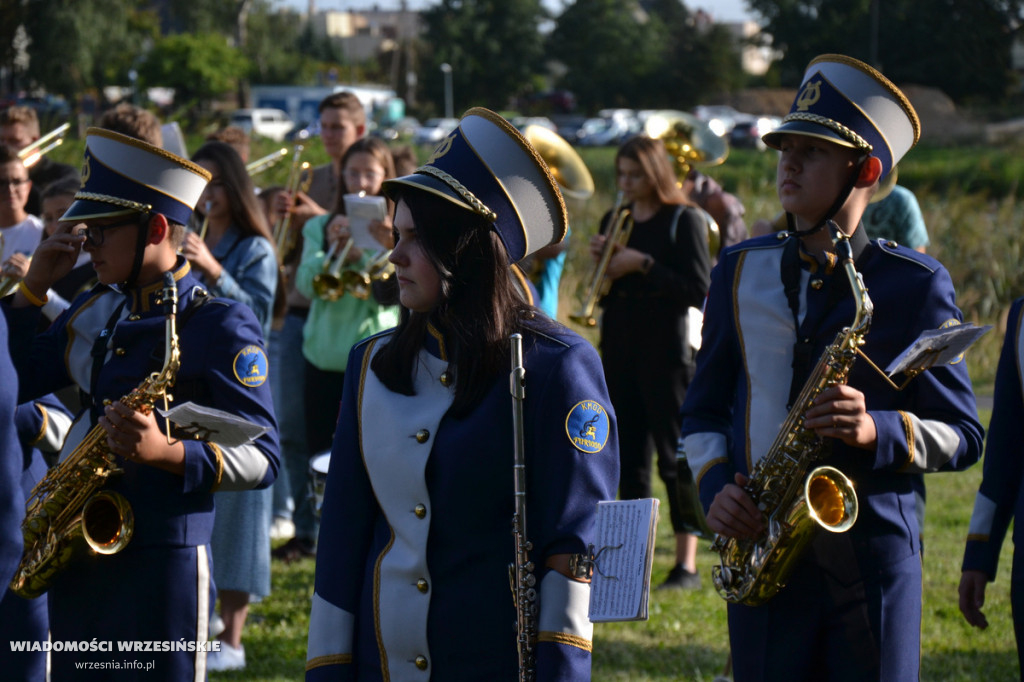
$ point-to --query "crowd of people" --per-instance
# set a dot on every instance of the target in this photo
(370, 313)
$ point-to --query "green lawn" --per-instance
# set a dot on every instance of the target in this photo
(685, 637)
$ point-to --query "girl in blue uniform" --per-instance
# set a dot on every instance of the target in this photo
(413, 582)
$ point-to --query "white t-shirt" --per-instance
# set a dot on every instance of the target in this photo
(21, 238)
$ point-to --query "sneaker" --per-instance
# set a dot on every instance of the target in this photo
(228, 658)
(293, 550)
(216, 625)
(680, 579)
(282, 529)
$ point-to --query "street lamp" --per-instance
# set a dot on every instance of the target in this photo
(446, 69)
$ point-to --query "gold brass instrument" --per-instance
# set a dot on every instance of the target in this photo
(67, 513)
(691, 143)
(566, 166)
(8, 283)
(794, 502)
(206, 222)
(32, 153)
(327, 284)
(299, 179)
(264, 162)
(358, 283)
(618, 234)
(521, 573)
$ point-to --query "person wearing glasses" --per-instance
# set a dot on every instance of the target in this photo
(20, 231)
(130, 217)
(334, 326)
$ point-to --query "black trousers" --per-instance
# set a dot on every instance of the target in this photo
(323, 402)
(647, 401)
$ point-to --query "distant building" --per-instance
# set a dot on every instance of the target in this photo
(754, 59)
(363, 34)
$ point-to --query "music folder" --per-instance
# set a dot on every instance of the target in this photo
(622, 557)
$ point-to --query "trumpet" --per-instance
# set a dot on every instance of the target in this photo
(8, 283)
(263, 163)
(300, 177)
(32, 153)
(618, 234)
(328, 284)
(358, 283)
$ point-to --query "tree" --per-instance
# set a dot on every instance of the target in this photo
(493, 46)
(959, 46)
(200, 68)
(609, 51)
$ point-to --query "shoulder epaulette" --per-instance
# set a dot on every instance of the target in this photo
(891, 248)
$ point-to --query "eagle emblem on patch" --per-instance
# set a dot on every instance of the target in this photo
(587, 426)
(250, 366)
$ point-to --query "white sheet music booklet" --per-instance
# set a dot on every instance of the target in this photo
(623, 554)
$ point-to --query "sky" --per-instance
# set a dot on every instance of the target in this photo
(721, 10)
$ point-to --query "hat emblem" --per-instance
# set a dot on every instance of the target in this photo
(809, 96)
(86, 170)
(442, 148)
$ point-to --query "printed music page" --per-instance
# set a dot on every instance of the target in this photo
(361, 210)
(624, 552)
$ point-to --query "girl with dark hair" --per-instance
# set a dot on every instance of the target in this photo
(661, 272)
(420, 494)
(236, 259)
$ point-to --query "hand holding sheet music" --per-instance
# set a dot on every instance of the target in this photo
(623, 553)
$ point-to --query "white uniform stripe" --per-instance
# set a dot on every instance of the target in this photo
(564, 605)
(202, 608)
(703, 450)
(331, 630)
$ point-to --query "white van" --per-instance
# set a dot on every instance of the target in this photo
(272, 123)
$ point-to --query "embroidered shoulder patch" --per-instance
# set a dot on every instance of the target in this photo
(250, 366)
(587, 426)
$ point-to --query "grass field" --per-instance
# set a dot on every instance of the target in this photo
(685, 637)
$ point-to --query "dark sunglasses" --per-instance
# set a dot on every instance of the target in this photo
(94, 234)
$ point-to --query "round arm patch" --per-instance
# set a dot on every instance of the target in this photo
(250, 366)
(587, 426)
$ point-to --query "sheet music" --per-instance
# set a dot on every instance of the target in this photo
(937, 347)
(624, 550)
(215, 426)
(361, 211)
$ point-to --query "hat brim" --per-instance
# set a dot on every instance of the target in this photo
(774, 138)
(425, 183)
(87, 209)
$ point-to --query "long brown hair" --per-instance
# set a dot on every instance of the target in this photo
(653, 159)
(479, 306)
(246, 213)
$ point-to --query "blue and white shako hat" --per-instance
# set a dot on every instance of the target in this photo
(486, 166)
(847, 102)
(122, 175)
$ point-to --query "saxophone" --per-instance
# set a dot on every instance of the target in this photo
(67, 512)
(793, 501)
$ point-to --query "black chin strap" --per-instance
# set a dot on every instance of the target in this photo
(833, 209)
(140, 251)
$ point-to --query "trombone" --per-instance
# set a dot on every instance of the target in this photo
(264, 162)
(32, 153)
(300, 177)
(600, 283)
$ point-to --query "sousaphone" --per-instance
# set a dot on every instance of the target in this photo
(691, 143)
(565, 164)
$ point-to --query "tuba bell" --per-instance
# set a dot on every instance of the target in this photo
(691, 143)
(566, 166)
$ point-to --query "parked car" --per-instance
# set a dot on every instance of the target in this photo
(402, 128)
(747, 131)
(433, 130)
(521, 122)
(272, 123)
(720, 117)
(600, 132)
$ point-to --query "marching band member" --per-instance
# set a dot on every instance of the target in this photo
(660, 273)
(134, 203)
(20, 231)
(19, 127)
(852, 607)
(413, 582)
(998, 499)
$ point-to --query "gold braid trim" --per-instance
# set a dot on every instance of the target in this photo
(46, 423)
(333, 659)
(565, 638)
(835, 126)
(908, 430)
(220, 466)
(117, 201)
(915, 122)
(470, 198)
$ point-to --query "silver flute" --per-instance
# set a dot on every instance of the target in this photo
(522, 578)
